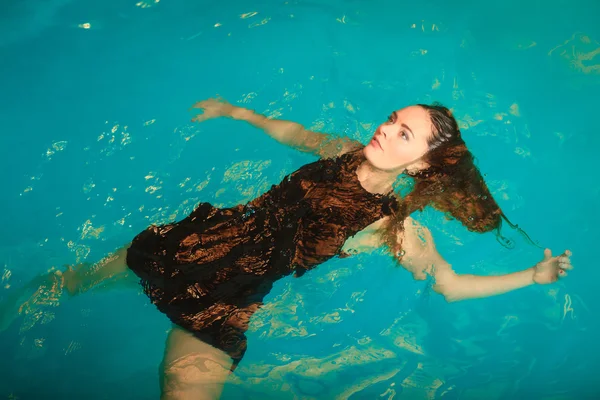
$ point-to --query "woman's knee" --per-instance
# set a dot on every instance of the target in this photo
(195, 368)
(192, 368)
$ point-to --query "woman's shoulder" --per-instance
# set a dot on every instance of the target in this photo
(339, 147)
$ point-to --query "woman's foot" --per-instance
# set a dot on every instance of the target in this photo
(44, 291)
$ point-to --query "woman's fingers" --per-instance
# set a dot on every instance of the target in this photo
(564, 263)
(564, 260)
(205, 103)
(200, 118)
(562, 273)
(198, 104)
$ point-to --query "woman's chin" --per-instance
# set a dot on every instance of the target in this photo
(370, 151)
(373, 156)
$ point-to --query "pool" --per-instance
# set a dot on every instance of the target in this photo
(97, 144)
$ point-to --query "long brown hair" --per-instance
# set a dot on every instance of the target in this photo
(451, 184)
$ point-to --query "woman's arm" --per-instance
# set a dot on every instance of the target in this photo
(285, 132)
(456, 287)
(422, 258)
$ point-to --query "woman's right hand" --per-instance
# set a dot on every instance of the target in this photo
(214, 108)
(551, 268)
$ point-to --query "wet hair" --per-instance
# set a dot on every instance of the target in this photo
(452, 184)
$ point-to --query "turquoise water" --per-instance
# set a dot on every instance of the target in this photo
(96, 144)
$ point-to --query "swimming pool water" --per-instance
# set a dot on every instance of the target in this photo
(96, 144)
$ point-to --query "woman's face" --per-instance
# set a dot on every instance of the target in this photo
(400, 142)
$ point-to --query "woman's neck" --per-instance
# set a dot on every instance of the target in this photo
(375, 180)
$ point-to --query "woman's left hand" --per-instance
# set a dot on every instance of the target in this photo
(551, 268)
(214, 108)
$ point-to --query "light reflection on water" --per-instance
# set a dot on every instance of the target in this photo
(354, 327)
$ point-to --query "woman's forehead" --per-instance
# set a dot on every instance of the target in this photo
(416, 118)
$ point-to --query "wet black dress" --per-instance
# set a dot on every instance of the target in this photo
(210, 272)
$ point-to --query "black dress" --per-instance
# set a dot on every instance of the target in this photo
(210, 272)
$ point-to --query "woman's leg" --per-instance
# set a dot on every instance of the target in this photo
(191, 368)
(106, 273)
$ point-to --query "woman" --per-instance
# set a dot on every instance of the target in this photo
(210, 272)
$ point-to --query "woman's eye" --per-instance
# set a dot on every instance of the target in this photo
(404, 136)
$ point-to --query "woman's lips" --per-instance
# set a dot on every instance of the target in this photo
(377, 142)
